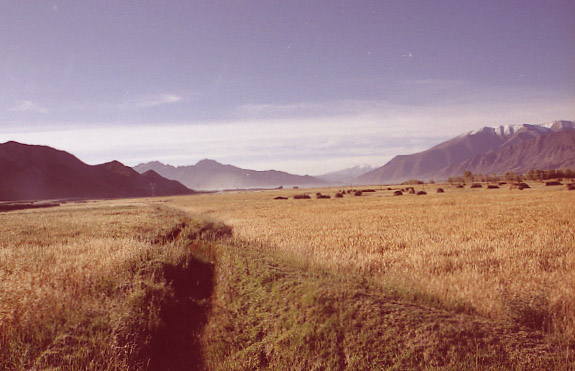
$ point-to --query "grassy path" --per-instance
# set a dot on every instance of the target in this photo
(273, 311)
(103, 286)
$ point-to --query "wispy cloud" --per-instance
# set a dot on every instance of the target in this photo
(327, 137)
(151, 101)
(28, 106)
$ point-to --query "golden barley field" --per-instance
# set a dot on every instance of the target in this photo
(504, 254)
(81, 284)
(467, 278)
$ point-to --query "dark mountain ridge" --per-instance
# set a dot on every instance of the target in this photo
(32, 172)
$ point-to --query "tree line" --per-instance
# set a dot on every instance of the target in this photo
(512, 176)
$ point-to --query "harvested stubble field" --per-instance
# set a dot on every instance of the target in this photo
(503, 254)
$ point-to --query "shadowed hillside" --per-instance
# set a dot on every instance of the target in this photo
(30, 172)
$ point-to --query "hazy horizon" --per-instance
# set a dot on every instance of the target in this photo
(306, 88)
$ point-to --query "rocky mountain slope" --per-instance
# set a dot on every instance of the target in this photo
(555, 150)
(487, 150)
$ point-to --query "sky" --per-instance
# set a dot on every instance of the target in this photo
(307, 87)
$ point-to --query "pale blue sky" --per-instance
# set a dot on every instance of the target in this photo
(301, 86)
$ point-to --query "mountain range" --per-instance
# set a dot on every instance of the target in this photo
(31, 172)
(212, 175)
(488, 150)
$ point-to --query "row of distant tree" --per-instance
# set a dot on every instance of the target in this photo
(511, 176)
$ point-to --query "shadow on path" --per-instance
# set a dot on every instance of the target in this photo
(175, 346)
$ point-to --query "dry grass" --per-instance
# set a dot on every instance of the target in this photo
(81, 284)
(503, 254)
(354, 282)
(273, 311)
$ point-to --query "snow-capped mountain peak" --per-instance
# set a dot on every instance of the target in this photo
(484, 130)
(560, 125)
(486, 150)
(507, 131)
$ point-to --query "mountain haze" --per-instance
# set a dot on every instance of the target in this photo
(345, 176)
(212, 175)
(486, 150)
(31, 172)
